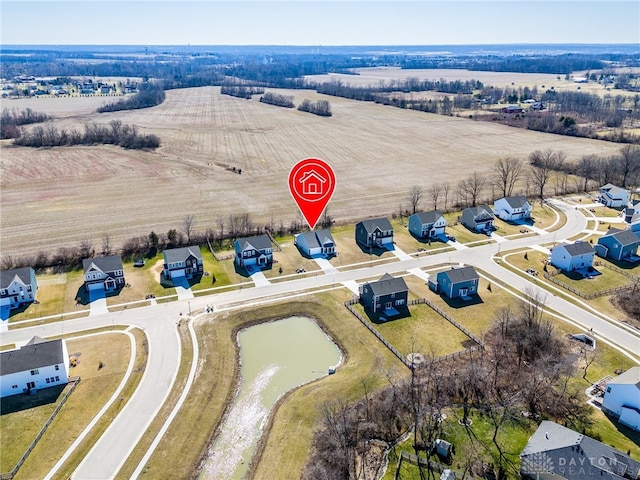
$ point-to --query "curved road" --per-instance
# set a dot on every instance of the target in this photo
(159, 323)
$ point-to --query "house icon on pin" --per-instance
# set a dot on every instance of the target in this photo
(312, 183)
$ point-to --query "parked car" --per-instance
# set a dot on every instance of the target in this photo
(139, 262)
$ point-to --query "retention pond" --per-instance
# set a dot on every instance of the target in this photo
(276, 357)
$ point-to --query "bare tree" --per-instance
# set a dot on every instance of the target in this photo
(188, 222)
(220, 222)
(414, 196)
(446, 186)
(627, 163)
(435, 191)
(542, 168)
(587, 169)
(508, 171)
(106, 245)
(472, 187)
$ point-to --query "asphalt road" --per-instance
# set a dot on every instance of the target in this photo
(159, 323)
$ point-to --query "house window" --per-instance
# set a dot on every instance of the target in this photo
(400, 302)
(14, 386)
(608, 389)
(48, 380)
(35, 372)
(57, 367)
(57, 378)
(3, 292)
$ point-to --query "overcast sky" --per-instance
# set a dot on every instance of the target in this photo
(313, 22)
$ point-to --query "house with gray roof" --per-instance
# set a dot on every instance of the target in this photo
(573, 256)
(38, 364)
(253, 251)
(316, 243)
(557, 452)
(632, 212)
(387, 296)
(512, 209)
(373, 233)
(182, 262)
(103, 273)
(622, 398)
(457, 282)
(619, 245)
(613, 196)
(427, 225)
(17, 286)
(478, 219)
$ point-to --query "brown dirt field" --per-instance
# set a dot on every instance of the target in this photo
(61, 196)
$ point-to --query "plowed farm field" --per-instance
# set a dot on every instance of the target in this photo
(60, 196)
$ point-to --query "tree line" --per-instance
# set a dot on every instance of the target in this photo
(10, 120)
(149, 95)
(116, 133)
(278, 100)
(526, 366)
(241, 91)
(320, 107)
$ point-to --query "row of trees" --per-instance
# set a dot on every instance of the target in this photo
(241, 91)
(526, 366)
(278, 100)
(320, 107)
(116, 133)
(149, 94)
(10, 120)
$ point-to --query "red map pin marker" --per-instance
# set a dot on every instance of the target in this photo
(311, 183)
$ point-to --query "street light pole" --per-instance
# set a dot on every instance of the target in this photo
(189, 303)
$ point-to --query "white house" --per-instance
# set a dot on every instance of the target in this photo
(38, 364)
(512, 208)
(17, 286)
(574, 256)
(622, 398)
(316, 243)
(614, 197)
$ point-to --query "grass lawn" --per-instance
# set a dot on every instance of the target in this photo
(95, 388)
(546, 217)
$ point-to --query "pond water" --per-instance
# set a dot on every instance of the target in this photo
(276, 357)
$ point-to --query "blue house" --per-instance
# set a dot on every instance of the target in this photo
(374, 233)
(427, 225)
(618, 245)
(388, 295)
(456, 283)
(316, 243)
(253, 251)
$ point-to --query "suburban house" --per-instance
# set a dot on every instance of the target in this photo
(38, 364)
(374, 233)
(254, 251)
(632, 212)
(622, 398)
(618, 245)
(387, 295)
(316, 243)
(182, 262)
(479, 219)
(456, 283)
(512, 209)
(557, 452)
(17, 286)
(574, 256)
(427, 225)
(103, 273)
(614, 197)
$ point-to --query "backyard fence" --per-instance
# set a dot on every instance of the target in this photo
(73, 381)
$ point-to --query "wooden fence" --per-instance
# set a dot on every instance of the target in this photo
(9, 475)
(276, 244)
(219, 257)
(589, 296)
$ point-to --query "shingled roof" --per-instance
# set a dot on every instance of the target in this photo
(37, 353)
(23, 275)
(388, 284)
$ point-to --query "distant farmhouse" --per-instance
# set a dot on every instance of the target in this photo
(456, 282)
(575, 256)
(512, 209)
(17, 287)
(316, 243)
(38, 364)
(374, 233)
(622, 398)
(557, 452)
(388, 295)
(479, 219)
(182, 262)
(253, 251)
(427, 225)
(105, 273)
(619, 245)
(614, 197)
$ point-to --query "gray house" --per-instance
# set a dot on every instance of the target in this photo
(374, 233)
(182, 262)
(387, 295)
(618, 245)
(456, 283)
(575, 256)
(254, 251)
(103, 273)
(427, 225)
(557, 452)
(316, 243)
(17, 286)
(479, 219)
